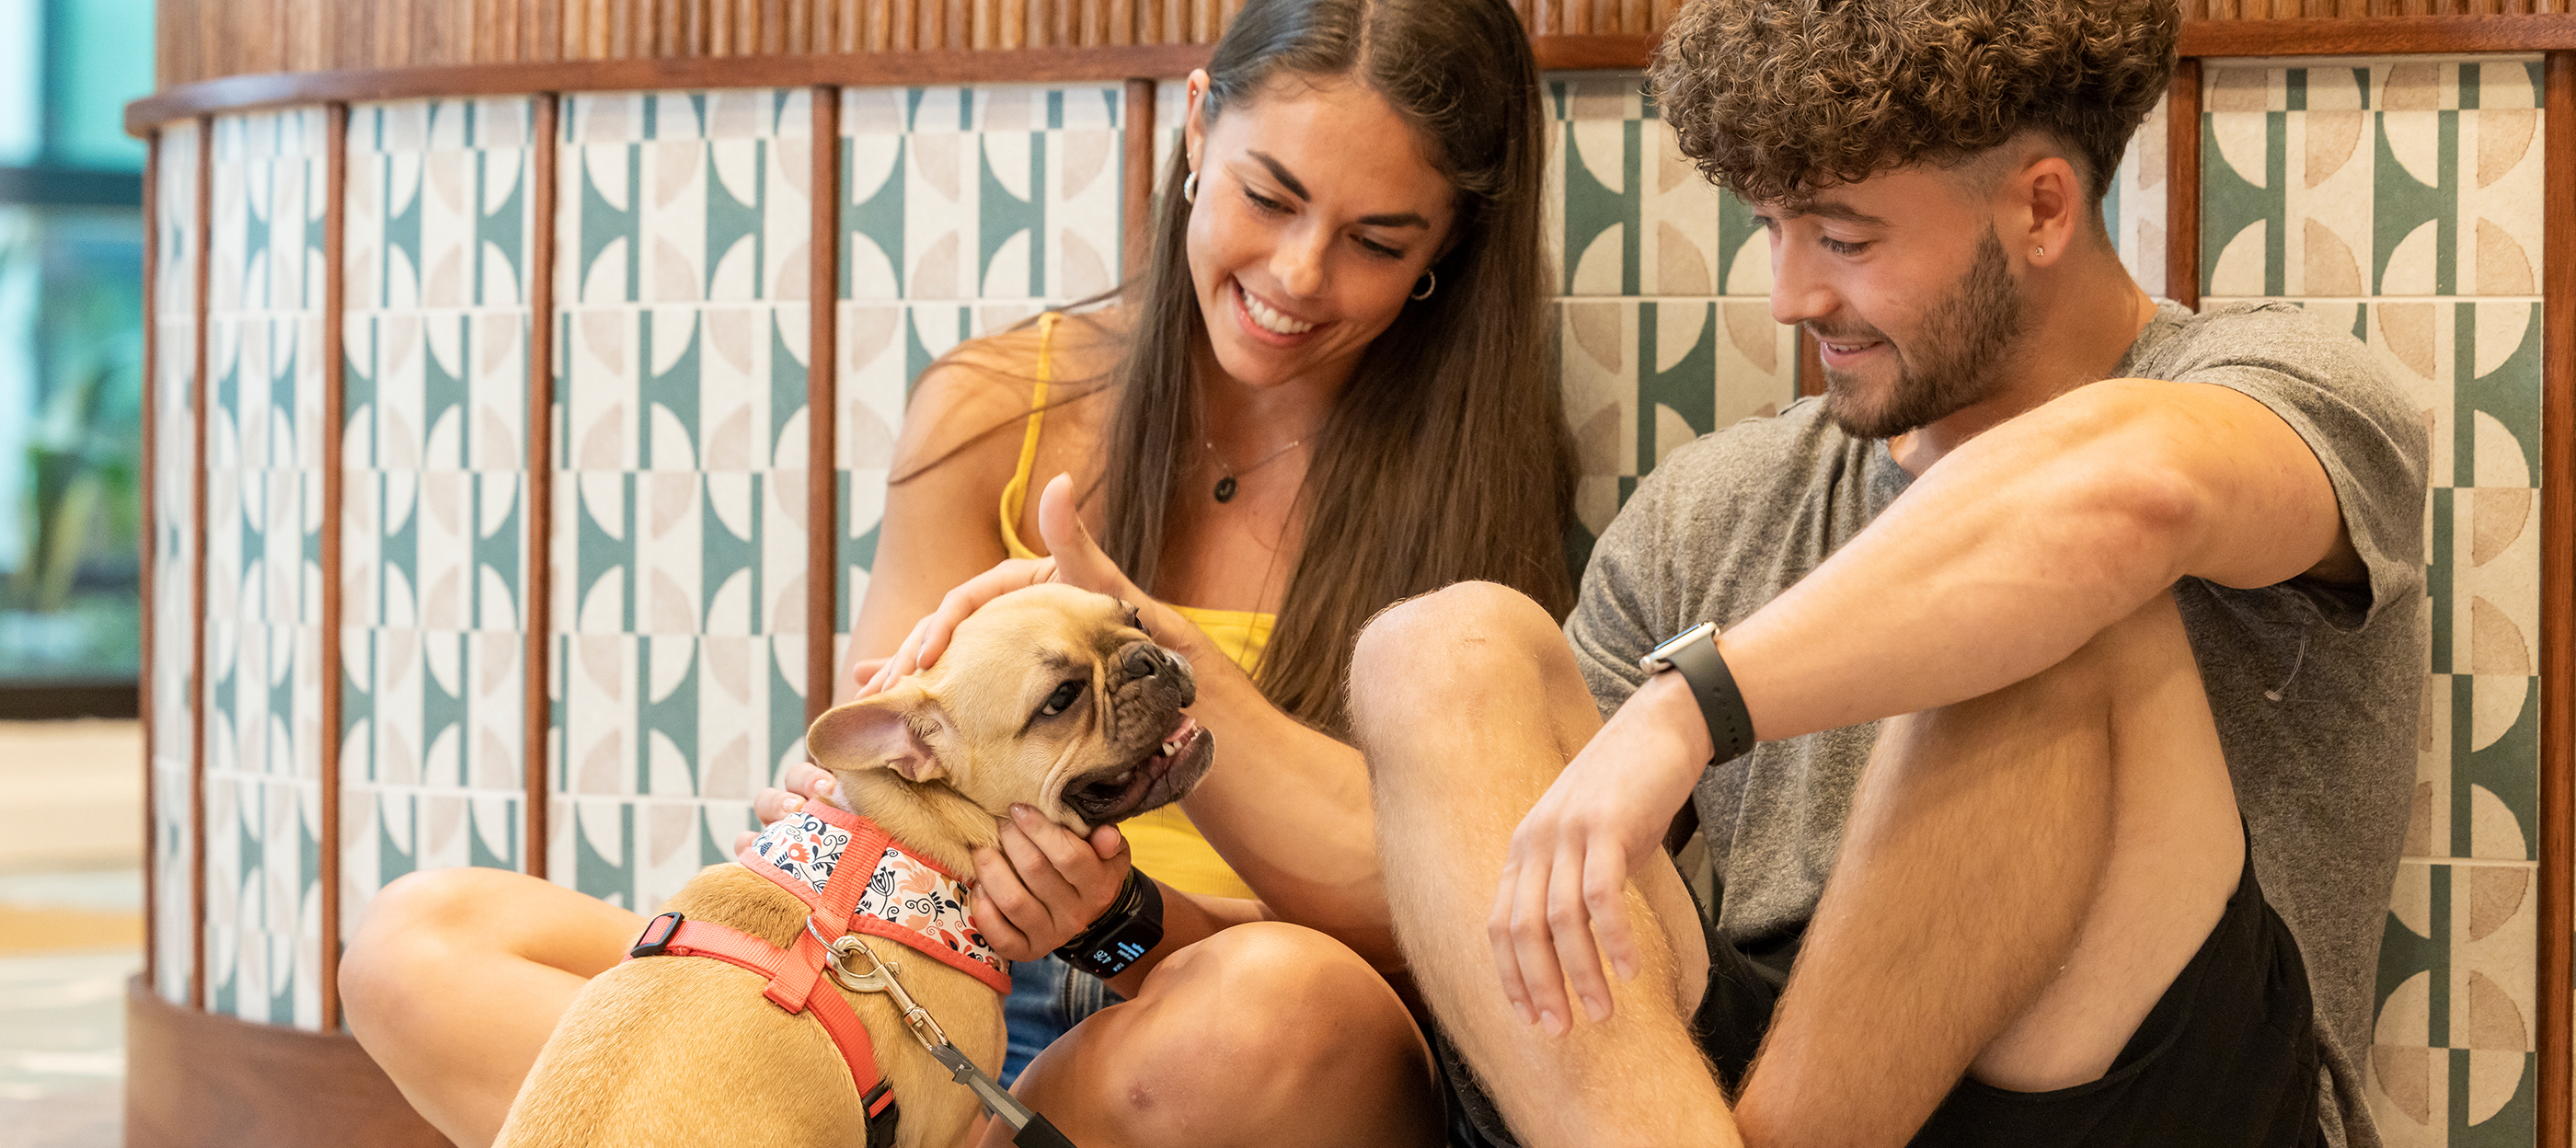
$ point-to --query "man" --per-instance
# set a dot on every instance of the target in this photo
(2078, 635)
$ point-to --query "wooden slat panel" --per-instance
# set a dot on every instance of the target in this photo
(207, 39)
(2557, 596)
(335, 294)
(823, 409)
(547, 141)
(2182, 186)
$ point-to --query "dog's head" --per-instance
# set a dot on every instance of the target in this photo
(1047, 695)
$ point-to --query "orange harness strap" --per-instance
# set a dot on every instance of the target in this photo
(685, 938)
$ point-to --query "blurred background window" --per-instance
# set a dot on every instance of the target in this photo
(71, 353)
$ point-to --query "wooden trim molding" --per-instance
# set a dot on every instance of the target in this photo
(335, 294)
(823, 413)
(1811, 365)
(2557, 599)
(539, 582)
(200, 400)
(873, 69)
(2379, 35)
(1555, 51)
(2182, 186)
(149, 523)
(202, 1080)
(1137, 212)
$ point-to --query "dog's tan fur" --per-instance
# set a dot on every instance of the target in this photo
(688, 1051)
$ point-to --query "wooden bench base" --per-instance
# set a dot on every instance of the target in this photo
(198, 1080)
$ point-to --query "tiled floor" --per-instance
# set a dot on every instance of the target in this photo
(70, 928)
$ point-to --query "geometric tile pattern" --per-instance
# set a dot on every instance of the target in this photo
(964, 210)
(1664, 285)
(172, 489)
(434, 457)
(2402, 200)
(677, 683)
(263, 574)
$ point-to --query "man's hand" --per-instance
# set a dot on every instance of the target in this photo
(1565, 878)
(1042, 885)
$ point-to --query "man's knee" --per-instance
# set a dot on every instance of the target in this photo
(1418, 638)
(1253, 1022)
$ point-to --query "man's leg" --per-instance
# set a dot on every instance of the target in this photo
(456, 977)
(2022, 876)
(1265, 1034)
(1468, 704)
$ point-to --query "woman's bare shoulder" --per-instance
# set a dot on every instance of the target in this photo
(964, 404)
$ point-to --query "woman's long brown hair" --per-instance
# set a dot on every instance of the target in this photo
(1447, 456)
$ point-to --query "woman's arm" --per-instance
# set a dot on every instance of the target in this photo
(1288, 807)
(941, 523)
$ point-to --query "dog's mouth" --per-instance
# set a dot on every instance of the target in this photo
(1157, 779)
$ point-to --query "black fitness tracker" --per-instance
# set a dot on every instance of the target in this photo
(1130, 929)
(1693, 654)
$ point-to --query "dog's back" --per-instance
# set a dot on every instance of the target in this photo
(686, 1050)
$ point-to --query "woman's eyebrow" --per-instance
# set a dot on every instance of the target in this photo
(1390, 219)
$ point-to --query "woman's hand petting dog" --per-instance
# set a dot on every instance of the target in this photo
(1074, 559)
(1033, 893)
(1043, 884)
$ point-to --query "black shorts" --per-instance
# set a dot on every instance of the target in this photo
(2228, 1055)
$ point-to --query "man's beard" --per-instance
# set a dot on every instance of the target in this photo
(1949, 364)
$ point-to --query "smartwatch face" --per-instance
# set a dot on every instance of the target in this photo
(1658, 659)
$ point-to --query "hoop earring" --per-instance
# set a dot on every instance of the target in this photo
(1430, 283)
(1190, 188)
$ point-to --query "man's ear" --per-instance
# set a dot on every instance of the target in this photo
(880, 732)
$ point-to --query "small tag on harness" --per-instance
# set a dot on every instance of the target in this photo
(657, 936)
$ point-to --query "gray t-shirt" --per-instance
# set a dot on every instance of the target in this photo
(2322, 775)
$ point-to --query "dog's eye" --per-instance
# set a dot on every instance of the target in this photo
(1062, 699)
(1135, 617)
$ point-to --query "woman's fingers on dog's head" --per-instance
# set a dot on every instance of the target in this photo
(743, 840)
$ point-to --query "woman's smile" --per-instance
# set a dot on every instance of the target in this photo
(1267, 323)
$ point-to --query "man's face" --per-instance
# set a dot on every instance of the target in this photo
(1907, 290)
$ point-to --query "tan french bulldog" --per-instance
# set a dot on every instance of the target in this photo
(1048, 696)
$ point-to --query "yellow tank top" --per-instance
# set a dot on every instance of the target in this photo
(1165, 845)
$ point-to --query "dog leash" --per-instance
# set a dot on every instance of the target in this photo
(1028, 1129)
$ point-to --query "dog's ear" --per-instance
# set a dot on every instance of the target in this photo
(878, 732)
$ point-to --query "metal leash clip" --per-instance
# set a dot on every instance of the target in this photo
(1029, 1130)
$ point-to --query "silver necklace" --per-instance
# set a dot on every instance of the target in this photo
(1225, 486)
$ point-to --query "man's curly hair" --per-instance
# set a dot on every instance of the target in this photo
(1780, 99)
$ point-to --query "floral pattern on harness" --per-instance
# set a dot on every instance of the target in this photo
(804, 847)
(907, 892)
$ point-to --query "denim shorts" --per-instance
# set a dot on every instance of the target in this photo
(1048, 997)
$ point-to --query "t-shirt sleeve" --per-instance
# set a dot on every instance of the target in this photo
(2338, 397)
(1620, 613)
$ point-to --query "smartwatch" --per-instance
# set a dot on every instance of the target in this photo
(1130, 929)
(1693, 654)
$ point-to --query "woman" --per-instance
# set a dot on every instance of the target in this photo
(1333, 391)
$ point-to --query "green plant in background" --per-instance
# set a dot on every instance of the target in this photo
(69, 605)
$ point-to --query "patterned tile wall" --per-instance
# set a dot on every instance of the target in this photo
(679, 549)
(263, 505)
(2403, 200)
(965, 210)
(432, 515)
(172, 489)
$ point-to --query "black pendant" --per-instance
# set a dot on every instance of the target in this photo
(1225, 489)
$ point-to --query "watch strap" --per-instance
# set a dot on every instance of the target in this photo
(1712, 685)
(1130, 928)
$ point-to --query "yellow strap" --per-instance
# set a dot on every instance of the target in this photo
(1015, 496)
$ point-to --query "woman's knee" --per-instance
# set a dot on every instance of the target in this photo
(1258, 1021)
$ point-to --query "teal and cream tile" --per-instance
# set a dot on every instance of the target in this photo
(171, 487)
(992, 193)
(2451, 1061)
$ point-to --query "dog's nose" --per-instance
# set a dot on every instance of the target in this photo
(1143, 661)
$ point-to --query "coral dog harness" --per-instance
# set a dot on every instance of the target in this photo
(903, 897)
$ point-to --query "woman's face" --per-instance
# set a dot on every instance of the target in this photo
(1315, 217)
